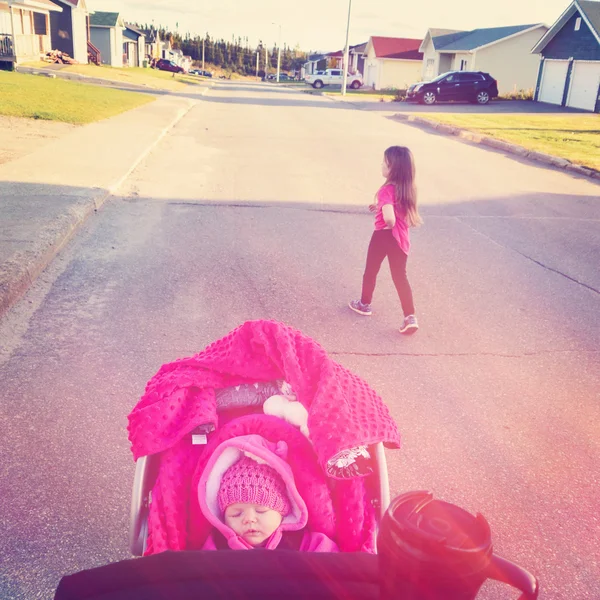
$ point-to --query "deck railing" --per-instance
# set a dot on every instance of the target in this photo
(6, 45)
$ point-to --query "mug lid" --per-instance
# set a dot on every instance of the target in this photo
(421, 520)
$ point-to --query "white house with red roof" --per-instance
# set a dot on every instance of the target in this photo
(392, 62)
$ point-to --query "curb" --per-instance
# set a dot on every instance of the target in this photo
(496, 144)
(23, 270)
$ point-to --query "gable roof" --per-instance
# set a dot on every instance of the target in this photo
(41, 4)
(589, 11)
(390, 47)
(106, 19)
(466, 41)
(359, 48)
(134, 29)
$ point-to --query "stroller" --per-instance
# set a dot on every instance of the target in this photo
(266, 379)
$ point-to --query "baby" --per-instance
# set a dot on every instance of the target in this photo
(254, 502)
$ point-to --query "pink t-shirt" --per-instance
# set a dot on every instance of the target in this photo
(387, 195)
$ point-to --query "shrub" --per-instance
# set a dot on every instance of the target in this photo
(518, 95)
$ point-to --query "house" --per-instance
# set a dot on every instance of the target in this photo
(392, 62)
(134, 46)
(335, 60)
(25, 30)
(153, 44)
(569, 69)
(106, 33)
(69, 29)
(503, 52)
(315, 62)
(356, 58)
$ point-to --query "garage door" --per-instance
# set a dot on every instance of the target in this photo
(585, 80)
(553, 81)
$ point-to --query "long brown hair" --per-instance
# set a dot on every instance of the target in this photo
(402, 176)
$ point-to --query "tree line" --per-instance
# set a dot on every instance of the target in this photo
(236, 55)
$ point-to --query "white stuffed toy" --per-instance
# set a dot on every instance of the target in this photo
(288, 409)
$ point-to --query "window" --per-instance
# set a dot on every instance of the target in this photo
(470, 77)
(39, 24)
(577, 23)
(336, 73)
(463, 64)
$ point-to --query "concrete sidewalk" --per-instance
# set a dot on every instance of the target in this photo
(47, 195)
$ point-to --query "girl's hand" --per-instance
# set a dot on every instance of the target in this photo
(373, 207)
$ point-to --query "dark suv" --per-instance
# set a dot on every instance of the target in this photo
(471, 86)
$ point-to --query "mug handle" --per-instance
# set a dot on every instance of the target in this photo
(508, 572)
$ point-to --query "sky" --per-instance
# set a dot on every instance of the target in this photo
(320, 25)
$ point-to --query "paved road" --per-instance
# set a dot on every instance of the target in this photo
(254, 207)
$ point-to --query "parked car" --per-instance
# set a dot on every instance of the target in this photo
(469, 86)
(195, 72)
(333, 77)
(168, 65)
(206, 73)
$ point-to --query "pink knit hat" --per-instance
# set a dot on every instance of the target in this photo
(254, 483)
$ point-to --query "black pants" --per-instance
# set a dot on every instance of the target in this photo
(383, 244)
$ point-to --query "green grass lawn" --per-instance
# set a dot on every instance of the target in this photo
(36, 97)
(575, 137)
(151, 78)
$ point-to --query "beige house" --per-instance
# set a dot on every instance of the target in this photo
(392, 62)
(503, 52)
(25, 29)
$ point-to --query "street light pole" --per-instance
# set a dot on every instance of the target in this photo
(278, 52)
(346, 50)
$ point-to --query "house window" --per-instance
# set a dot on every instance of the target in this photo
(39, 24)
(463, 64)
(577, 23)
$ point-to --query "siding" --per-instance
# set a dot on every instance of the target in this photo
(567, 43)
(430, 54)
(511, 62)
(100, 37)
(399, 74)
(80, 35)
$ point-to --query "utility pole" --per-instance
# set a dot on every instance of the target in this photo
(257, 58)
(266, 61)
(203, 40)
(346, 51)
(278, 54)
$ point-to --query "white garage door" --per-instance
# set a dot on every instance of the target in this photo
(585, 80)
(553, 81)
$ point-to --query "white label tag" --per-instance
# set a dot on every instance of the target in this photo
(198, 439)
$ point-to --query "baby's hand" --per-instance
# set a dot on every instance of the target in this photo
(373, 207)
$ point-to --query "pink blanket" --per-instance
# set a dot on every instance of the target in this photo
(343, 412)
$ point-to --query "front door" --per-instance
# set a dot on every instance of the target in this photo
(449, 88)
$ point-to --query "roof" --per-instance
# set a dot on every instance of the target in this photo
(338, 54)
(439, 35)
(105, 19)
(390, 47)
(588, 9)
(470, 40)
(42, 4)
(134, 29)
(359, 48)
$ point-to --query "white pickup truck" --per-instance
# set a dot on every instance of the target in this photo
(333, 77)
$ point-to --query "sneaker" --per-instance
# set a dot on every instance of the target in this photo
(409, 325)
(362, 309)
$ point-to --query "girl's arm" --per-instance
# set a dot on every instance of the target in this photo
(389, 215)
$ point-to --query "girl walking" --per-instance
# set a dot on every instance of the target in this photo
(395, 209)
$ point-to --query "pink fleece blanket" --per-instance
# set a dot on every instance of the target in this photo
(343, 412)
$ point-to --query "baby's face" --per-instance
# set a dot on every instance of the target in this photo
(253, 523)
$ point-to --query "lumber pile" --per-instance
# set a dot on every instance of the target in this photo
(58, 57)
